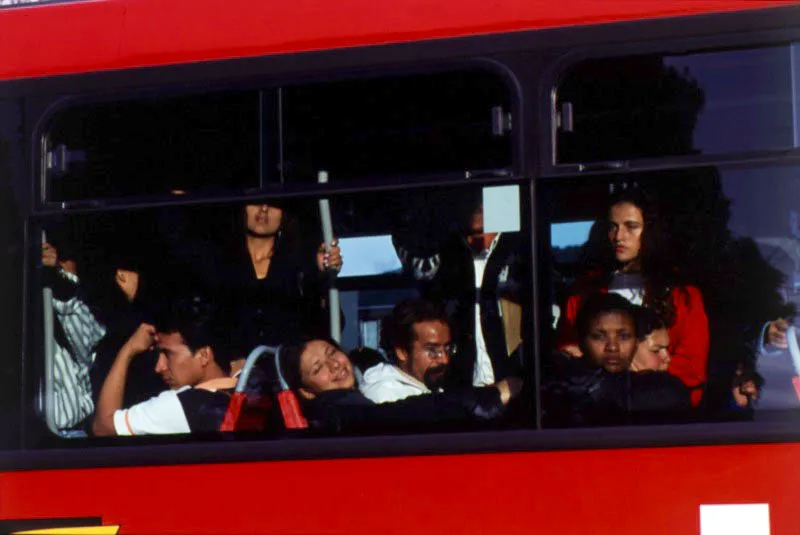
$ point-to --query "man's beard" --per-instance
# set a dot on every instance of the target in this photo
(436, 376)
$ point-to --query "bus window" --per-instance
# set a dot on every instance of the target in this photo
(712, 252)
(452, 122)
(155, 146)
(704, 103)
(108, 273)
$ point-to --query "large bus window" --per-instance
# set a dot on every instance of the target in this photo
(254, 273)
(453, 122)
(154, 146)
(711, 253)
(701, 103)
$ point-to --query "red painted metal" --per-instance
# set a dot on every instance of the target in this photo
(95, 35)
(609, 492)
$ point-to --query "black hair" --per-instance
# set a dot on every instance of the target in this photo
(602, 303)
(647, 321)
(659, 274)
(290, 356)
(195, 319)
(398, 328)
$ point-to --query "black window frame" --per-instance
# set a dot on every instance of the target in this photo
(545, 47)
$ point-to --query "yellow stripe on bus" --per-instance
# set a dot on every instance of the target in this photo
(86, 530)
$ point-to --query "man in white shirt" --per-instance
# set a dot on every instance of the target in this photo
(418, 333)
(190, 362)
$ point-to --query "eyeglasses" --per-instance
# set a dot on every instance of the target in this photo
(435, 352)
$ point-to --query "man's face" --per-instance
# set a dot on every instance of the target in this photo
(611, 341)
(176, 364)
(653, 352)
(262, 219)
(429, 359)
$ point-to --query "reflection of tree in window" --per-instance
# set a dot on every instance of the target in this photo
(628, 108)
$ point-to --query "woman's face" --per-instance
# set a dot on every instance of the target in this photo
(653, 352)
(263, 220)
(323, 367)
(611, 341)
(626, 224)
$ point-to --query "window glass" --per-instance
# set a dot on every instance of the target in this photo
(713, 253)
(254, 273)
(154, 146)
(405, 125)
(671, 105)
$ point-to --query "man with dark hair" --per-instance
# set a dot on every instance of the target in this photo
(418, 336)
(190, 361)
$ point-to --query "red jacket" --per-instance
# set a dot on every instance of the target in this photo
(688, 336)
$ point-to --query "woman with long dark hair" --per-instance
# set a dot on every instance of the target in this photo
(628, 255)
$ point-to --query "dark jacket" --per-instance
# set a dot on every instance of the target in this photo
(576, 393)
(350, 411)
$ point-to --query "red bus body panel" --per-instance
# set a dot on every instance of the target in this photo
(606, 492)
(93, 35)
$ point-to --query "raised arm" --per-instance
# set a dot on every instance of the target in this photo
(111, 395)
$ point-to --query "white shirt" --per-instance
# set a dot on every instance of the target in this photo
(159, 415)
(483, 372)
(384, 383)
(628, 285)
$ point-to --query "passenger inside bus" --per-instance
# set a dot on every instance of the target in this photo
(268, 277)
(628, 257)
(652, 352)
(322, 376)
(600, 387)
(76, 331)
(194, 364)
(128, 299)
(480, 278)
(417, 338)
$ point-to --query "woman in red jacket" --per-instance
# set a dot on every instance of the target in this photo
(629, 260)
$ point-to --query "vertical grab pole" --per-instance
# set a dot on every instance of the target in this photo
(327, 234)
(49, 355)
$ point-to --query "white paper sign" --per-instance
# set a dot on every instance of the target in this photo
(501, 209)
(734, 519)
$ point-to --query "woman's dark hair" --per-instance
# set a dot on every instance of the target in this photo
(598, 304)
(659, 275)
(290, 356)
(647, 321)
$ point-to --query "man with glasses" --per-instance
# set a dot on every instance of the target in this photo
(417, 335)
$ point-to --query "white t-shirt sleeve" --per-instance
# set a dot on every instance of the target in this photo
(160, 415)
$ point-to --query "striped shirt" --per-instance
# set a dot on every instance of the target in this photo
(73, 358)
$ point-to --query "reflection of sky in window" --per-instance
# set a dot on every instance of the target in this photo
(569, 234)
(369, 255)
(748, 98)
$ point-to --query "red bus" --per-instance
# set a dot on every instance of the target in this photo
(122, 121)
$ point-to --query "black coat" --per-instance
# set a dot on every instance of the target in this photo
(576, 393)
(349, 411)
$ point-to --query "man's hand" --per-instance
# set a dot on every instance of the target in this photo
(509, 388)
(572, 350)
(744, 389)
(329, 258)
(776, 333)
(49, 255)
(128, 282)
(142, 340)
